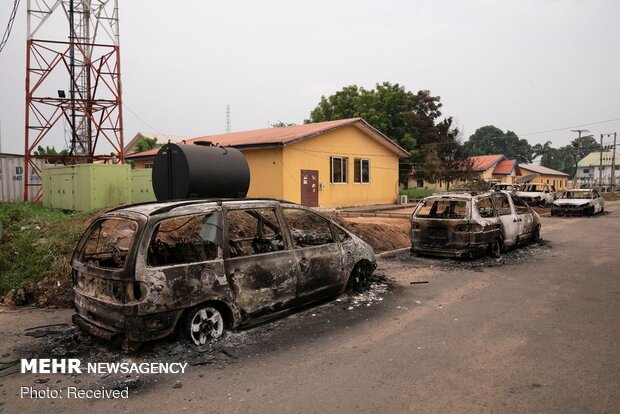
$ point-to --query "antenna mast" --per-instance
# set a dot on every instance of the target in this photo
(88, 60)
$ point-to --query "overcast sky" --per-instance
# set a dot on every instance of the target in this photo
(527, 66)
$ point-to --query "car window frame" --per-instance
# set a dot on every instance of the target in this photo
(283, 228)
(330, 223)
(155, 227)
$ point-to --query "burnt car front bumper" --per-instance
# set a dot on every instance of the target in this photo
(572, 210)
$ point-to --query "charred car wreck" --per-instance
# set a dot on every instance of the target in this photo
(142, 272)
(578, 203)
(538, 194)
(465, 225)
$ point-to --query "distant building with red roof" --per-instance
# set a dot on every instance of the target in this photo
(489, 168)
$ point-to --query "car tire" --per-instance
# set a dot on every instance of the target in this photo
(204, 324)
(536, 234)
(602, 211)
(359, 281)
(495, 249)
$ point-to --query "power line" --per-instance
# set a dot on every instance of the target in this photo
(142, 120)
(9, 26)
(569, 127)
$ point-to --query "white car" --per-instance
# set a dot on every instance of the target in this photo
(578, 202)
(540, 194)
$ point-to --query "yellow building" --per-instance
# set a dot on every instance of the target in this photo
(328, 164)
(539, 174)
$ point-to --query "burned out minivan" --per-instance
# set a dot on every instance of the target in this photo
(143, 271)
(465, 225)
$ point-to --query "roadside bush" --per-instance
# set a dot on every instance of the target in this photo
(36, 243)
(415, 193)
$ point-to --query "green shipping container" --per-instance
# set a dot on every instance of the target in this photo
(142, 185)
(86, 187)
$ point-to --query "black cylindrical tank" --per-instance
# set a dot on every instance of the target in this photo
(199, 171)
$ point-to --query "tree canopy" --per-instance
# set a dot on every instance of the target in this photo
(410, 119)
(490, 140)
(146, 144)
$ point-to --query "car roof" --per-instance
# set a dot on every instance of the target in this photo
(155, 208)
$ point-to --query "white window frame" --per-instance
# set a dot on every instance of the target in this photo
(361, 161)
(344, 169)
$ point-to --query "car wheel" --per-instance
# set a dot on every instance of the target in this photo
(495, 249)
(602, 210)
(536, 234)
(359, 281)
(204, 324)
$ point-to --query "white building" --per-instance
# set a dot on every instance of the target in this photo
(591, 172)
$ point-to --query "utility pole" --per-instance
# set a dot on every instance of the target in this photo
(613, 165)
(227, 119)
(578, 142)
(600, 163)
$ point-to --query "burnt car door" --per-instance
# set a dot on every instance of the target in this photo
(508, 218)
(320, 256)
(260, 265)
(524, 215)
(184, 261)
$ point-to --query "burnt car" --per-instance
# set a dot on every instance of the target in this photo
(506, 187)
(578, 202)
(466, 225)
(145, 271)
(539, 194)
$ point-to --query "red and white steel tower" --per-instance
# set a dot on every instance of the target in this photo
(73, 84)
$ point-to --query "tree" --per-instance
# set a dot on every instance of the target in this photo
(563, 158)
(409, 119)
(443, 158)
(489, 140)
(52, 151)
(146, 144)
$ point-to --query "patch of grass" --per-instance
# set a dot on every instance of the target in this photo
(36, 242)
(416, 192)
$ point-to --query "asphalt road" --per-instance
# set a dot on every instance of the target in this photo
(537, 331)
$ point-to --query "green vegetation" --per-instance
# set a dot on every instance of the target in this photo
(415, 193)
(36, 242)
(413, 120)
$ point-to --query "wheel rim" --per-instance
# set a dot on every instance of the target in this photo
(495, 248)
(206, 324)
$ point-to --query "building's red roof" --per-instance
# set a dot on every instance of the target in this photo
(484, 162)
(505, 167)
(270, 137)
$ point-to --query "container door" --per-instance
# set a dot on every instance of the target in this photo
(310, 188)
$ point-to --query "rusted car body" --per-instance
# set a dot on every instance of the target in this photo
(140, 272)
(578, 202)
(539, 194)
(465, 225)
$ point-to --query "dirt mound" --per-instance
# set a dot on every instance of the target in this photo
(381, 233)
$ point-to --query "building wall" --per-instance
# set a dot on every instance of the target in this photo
(559, 181)
(266, 172)
(349, 142)
(592, 175)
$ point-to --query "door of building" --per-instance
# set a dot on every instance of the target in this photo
(310, 188)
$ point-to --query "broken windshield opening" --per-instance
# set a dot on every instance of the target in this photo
(444, 209)
(109, 243)
(576, 195)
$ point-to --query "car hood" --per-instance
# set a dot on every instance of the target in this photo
(571, 202)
